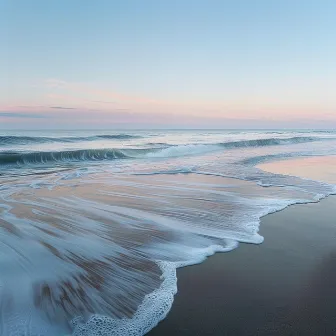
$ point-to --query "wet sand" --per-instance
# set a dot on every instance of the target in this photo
(285, 286)
(320, 168)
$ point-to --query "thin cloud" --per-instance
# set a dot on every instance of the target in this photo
(62, 108)
(21, 115)
(56, 83)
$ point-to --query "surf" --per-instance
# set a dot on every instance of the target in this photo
(23, 140)
(159, 150)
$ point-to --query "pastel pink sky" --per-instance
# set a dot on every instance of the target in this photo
(60, 103)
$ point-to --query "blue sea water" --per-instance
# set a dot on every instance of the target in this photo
(93, 224)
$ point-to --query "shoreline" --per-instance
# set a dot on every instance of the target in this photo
(317, 168)
(275, 288)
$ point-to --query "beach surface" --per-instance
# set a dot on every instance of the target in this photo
(285, 286)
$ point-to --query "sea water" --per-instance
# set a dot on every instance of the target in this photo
(93, 224)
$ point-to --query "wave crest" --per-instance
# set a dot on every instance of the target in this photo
(22, 140)
(11, 158)
(21, 158)
(270, 142)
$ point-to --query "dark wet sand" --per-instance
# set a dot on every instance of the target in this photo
(285, 286)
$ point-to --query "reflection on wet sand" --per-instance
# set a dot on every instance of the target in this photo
(316, 305)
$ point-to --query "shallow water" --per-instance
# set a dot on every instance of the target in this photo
(94, 224)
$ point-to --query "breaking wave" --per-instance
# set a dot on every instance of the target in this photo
(13, 139)
(167, 151)
(14, 158)
(271, 142)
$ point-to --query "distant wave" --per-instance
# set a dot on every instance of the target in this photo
(22, 140)
(118, 136)
(270, 142)
(22, 158)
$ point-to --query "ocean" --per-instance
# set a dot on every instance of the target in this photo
(94, 224)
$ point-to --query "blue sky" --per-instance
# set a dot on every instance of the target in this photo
(167, 63)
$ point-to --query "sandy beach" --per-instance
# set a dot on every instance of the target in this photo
(285, 286)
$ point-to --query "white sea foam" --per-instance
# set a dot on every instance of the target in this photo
(155, 305)
(182, 150)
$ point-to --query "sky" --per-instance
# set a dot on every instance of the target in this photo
(167, 64)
